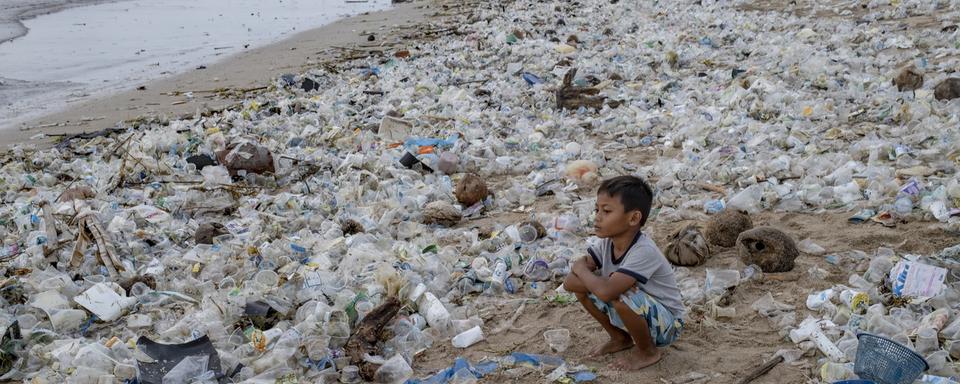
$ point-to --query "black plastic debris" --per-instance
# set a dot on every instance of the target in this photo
(548, 186)
(201, 161)
(296, 142)
(411, 161)
(167, 356)
(262, 314)
(308, 85)
(10, 346)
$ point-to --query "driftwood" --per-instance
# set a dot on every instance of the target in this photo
(89, 228)
(364, 340)
(570, 96)
(85, 135)
(761, 370)
(50, 227)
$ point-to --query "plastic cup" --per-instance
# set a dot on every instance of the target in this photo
(363, 308)
(228, 283)
(527, 233)
(267, 279)
(952, 346)
(139, 289)
(27, 321)
(927, 341)
(557, 339)
(937, 360)
(350, 374)
(94, 279)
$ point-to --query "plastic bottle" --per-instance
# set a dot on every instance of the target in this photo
(468, 337)
(433, 310)
(499, 277)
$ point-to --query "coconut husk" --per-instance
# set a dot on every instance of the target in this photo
(441, 212)
(471, 190)
(688, 247)
(948, 89)
(207, 231)
(769, 248)
(909, 79)
(78, 193)
(573, 97)
(723, 228)
(350, 227)
(365, 339)
(246, 156)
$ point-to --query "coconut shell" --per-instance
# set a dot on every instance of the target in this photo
(471, 190)
(246, 156)
(687, 247)
(724, 227)
(769, 248)
(441, 212)
(948, 89)
(909, 79)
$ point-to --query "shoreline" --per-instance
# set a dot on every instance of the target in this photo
(17, 13)
(170, 97)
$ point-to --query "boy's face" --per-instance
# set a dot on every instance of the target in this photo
(611, 219)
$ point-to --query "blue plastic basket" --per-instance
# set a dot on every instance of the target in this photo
(854, 382)
(885, 361)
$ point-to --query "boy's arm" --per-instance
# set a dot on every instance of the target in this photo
(587, 262)
(604, 288)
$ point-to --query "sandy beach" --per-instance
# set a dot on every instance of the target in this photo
(251, 69)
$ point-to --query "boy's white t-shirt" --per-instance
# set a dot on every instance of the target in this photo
(644, 262)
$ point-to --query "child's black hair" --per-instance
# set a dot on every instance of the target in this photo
(634, 194)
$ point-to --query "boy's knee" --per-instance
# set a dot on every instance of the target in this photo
(572, 283)
(620, 306)
(623, 309)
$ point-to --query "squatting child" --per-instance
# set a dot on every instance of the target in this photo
(625, 282)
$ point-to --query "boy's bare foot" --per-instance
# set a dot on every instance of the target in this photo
(614, 345)
(635, 360)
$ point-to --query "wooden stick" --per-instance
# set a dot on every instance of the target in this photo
(713, 188)
(458, 83)
(761, 370)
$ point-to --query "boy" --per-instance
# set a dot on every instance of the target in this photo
(625, 283)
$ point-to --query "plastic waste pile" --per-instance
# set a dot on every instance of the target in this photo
(909, 299)
(277, 241)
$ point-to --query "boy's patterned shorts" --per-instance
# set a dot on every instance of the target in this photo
(664, 328)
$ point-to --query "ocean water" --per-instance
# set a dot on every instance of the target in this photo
(102, 48)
